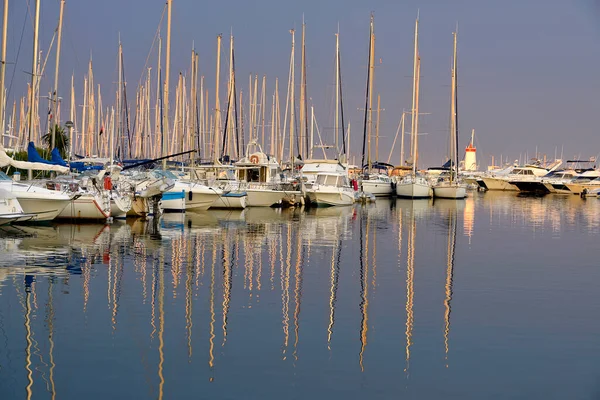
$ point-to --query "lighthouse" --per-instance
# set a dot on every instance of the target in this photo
(471, 155)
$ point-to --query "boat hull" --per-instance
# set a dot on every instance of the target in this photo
(534, 187)
(231, 201)
(414, 190)
(86, 206)
(328, 198)
(189, 198)
(44, 209)
(120, 206)
(268, 198)
(379, 189)
(450, 192)
(498, 184)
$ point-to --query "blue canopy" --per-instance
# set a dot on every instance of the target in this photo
(34, 156)
(56, 158)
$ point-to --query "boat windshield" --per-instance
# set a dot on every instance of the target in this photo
(160, 173)
(329, 180)
(4, 177)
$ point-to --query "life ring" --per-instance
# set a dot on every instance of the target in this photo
(254, 159)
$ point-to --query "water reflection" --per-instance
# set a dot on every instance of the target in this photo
(452, 217)
(258, 292)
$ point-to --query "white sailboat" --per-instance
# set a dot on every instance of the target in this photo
(451, 187)
(415, 186)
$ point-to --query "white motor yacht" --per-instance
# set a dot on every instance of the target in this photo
(331, 189)
(43, 203)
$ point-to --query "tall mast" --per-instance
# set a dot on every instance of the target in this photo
(230, 103)
(303, 110)
(417, 116)
(371, 76)
(3, 70)
(453, 128)
(165, 105)
(262, 110)
(337, 88)
(34, 72)
(377, 128)
(402, 138)
(55, 120)
(217, 107)
(367, 109)
(119, 108)
(272, 145)
(292, 105)
(414, 114)
(72, 116)
(158, 116)
(455, 73)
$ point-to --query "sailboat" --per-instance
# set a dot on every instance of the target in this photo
(415, 186)
(376, 183)
(452, 187)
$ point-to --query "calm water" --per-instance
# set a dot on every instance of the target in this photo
(493, 297)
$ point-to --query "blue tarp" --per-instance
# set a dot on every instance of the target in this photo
(80, 167)
(56, 158)
(34, 156)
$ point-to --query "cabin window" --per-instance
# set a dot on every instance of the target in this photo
(331, 180)
(321, 179)
(253, 175)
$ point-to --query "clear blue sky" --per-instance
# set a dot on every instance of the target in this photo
(528, 69)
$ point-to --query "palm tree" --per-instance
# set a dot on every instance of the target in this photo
(61, 140)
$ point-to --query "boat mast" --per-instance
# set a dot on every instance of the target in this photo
(3, 71)
(72, 116)
(453, 150)
(119, 108)
(417, 117)
(55, 120)
(371, 76)
(217, 125)
(367, 117)
(402, 138)
(165, 105)
(34, 72)
(303, 97)
(158, 116)
(337, 88)
(455, 105)
(414, 113)
(292, 105)
(377, 128)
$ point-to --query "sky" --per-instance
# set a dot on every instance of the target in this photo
(528, 70)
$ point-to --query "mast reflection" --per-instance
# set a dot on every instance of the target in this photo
(410, 290)
(452, 226)
(364, 289)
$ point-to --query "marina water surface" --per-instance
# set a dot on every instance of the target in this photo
(493, 297)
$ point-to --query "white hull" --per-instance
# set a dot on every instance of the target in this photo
(200, 201)
(414, 190)
(450, 191)
(196, 198)
(44, 209)
(268, 198)
(377, 188)
(230, 202)
(86, 207)
(577, 188)
(119, 206)
(498, 184)
(331, 197)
